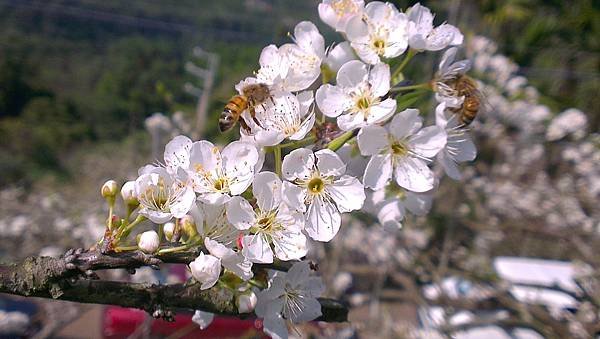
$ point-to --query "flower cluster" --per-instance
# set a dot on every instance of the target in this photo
(302, 105)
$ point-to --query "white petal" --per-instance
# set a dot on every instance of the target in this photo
(352, 74)
(239, 265)
(414, 175)
(348, 193)
(450, 166)
(466, 149)
(289, 245)
(365, 52)
(323, 220)
(269, 137)
(156, 217)
(182, 205)
(294, 196)
(204, 156)
(214, 198)
(372, 139)
(239, 159)
(311, 310)
(266, 188)
(329, 163)
(308, 38)
(357, 30)
(327, 14)
(428, 141)
(382, 111)
(177, 152)
(406, 123)
(332, 100)
(203, 319)
(240, 213)
(217, 249)
(378, 172)
(422, 18)
(447, 59)
(275, 327)
(298, 274)
(305, 127)
(339, 55)
(256, 248)
(206, 270)
(441, 37)
(379, 78)
(298, 164)
(348, 122)
(391, 214)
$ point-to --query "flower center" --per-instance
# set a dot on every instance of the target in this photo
(220, 184)
(379, 45)
(399, 148)
(363, 103)
(316, 185)
(342, 7)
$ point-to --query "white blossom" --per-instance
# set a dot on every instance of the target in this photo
(149, 242)
(459, 146)
(381, 32)
(211, 222)
(404, 149)
(206, 270)
(272, 222)
(356, 100)
(304, 56)
(231, 260)
(336, 13)
(162, 196)
(423, 36)
(287, 116)
(128, 193)
(292, 297)
(218, 175)
(391, 205)
(316, 185)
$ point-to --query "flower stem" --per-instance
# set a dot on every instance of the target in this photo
(338, 142)
(126, 248)
(126, 230)
(424, 85)
(411, 53)
(256, 284)
(277, 155)
(299, 143)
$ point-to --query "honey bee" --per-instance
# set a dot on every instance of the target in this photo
(473, 99)
(253, 95)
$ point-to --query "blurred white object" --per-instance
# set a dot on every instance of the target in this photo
(571, 121)
(13, 323)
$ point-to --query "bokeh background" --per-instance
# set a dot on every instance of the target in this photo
(81, 82)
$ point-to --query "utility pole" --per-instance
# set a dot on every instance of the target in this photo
(207, 75)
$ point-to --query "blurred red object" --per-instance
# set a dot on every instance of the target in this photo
(121, 322)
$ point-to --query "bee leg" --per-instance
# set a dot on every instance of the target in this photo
(253, 115)
(244, 125)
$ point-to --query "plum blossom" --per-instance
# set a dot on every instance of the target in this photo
(272, 222)
(568, 122)
(447, 73)
(211, 222)
(231, 260)
(336, 13)
(381, 32)
(392, 202)
(339, 55)
(316, 185)
(292, 297)
(423, 36)
(459, 146)
(218, 175)
(304, 56)
(356, 100)
(206, 270)
(162, 196)
(177, 153)
(287, 116)
(149, 242)
(402, 148)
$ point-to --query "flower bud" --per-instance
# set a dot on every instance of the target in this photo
(128, 194)
(246, 302)
(169, 230)
(206, 270)
(189, 226)
(109, 190)
(149, 242)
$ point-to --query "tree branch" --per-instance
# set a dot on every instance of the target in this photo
(61, 278)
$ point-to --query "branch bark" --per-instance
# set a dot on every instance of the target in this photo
(67, 278)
